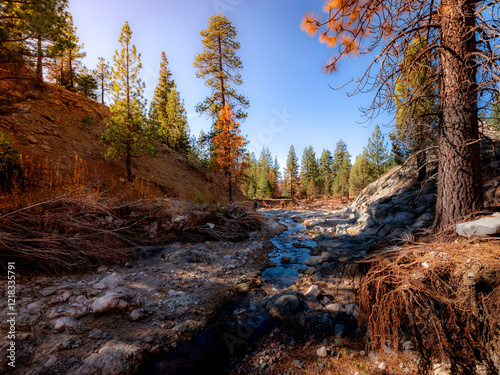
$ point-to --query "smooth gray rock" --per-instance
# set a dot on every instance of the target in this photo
(485, 226)
(313, 292)
(285, 306)
(313, 261)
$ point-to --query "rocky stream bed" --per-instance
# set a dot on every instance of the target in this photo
(186, 308)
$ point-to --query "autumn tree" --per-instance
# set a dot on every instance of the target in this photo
(220, 67)
(125, 135)
(102, 74)
(462, 38)
(291, 177)
(228, 146)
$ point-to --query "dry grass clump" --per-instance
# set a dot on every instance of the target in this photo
(447, 296)
(84, 228)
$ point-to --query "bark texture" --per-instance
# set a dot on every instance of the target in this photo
(460, 190)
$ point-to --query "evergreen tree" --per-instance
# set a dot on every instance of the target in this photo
(172, 127)
(86, 84)
(342, 168)
(361, 175)
(220, 67)
(309, 172)
(250, 186)
(67, 54)
(163, 89)
(228, 146)
(125, 133)
(264, 165)
(291, 178)
(326, 172)
(102, 75)
(415, 97)
(376, 153)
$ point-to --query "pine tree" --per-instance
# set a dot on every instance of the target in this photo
(102, 75)
(172, 127)
(291, 178)
(250, 181)
(309, 172)
(163, 89)
(86, 84)
(220, 67)
(67, 55)
(228, 146)
(264, 165)
(326, 172)
(342, 169)
(361, 175)
(125, 133)
(376, 153)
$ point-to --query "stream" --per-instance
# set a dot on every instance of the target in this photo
(243, 321)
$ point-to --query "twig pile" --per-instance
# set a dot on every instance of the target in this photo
(447, 296)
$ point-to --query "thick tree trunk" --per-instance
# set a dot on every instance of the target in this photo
(128, 162)
(460, 190)
(230, 185)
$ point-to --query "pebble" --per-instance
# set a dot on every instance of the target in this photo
(322, 352)
(314, 291)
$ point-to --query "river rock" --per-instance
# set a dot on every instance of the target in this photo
(310, 271)
(339, 330)
(285, 305)
(313, 261)
(485, 226)
(112, 281)
(113, 358)
(335, 307)
(70, 324)
(352, 309)
(137, 314)
(178, 256)
(108, 302)
(326, 256)
(322, 352)
(314, 292)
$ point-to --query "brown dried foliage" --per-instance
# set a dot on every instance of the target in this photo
(447, 296)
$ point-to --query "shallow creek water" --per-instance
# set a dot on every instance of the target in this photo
(239, 324)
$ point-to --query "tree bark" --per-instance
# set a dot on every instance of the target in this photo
(460, 190)
(221, 70)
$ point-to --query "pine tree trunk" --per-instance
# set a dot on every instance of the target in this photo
(128, 162)
(70, 71)
(39, 60)
(459, 178)
(230, 185)
(221, 69)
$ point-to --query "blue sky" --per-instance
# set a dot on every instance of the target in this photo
(290, 98)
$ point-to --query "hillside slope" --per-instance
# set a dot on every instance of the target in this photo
(56, 125)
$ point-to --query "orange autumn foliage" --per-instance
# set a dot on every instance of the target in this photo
(228, 145)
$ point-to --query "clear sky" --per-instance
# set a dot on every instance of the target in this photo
(290, 98)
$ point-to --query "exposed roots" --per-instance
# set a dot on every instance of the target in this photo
(447, 296)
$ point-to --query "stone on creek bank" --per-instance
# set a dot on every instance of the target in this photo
(286, 306)
(485, 226)
(113, 358)
(178, 256)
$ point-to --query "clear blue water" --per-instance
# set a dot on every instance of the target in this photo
(284, 275)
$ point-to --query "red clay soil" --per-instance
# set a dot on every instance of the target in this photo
(52, 124)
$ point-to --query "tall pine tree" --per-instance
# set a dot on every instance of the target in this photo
(377, 153)
(291, 178)
(125, 135)
(326, 172)
(220, 67)
(309, 173)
